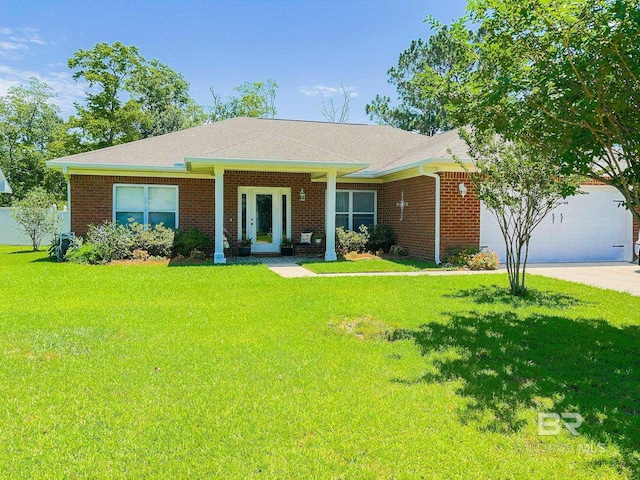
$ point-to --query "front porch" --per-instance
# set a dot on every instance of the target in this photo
(268, 203)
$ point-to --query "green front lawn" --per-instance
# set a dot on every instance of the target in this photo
(232, 371)
(368, 265)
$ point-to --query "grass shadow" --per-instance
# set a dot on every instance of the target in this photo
(507, 364)
(495, 294)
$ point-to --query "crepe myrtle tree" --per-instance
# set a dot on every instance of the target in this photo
(36, 215)
(520, 187)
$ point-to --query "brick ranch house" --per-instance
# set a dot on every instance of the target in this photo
(268, 179)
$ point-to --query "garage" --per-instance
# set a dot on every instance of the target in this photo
(593, 227)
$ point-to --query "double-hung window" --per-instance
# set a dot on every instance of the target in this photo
(146, 204)
(355, 208)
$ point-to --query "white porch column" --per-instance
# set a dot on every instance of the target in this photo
(218, 256)
(330, 217)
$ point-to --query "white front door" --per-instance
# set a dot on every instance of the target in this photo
(264, 215)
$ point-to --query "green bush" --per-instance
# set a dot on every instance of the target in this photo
(458, 255)
(485, 260)
(350, 241)
(82, 252)
(111, 240)
(185, 242)
(381, 237)
(157, 241)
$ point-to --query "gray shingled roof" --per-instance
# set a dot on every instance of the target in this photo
(381, 147)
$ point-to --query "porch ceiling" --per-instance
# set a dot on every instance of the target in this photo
(317, 169)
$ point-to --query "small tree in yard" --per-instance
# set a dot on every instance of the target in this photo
(520, 188)
(35, 215)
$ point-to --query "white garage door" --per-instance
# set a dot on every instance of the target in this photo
(589, 228)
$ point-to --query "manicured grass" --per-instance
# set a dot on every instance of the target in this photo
(368, 265)
(234, 372)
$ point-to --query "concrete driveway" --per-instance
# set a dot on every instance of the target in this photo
(621, 276)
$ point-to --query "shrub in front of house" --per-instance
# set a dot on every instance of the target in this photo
(110, 240)
(157, 240)
(458, 255)
(186, 241)
(113, 241)
(381, 237)
(350, 241)
(398, 251)
(484, 260)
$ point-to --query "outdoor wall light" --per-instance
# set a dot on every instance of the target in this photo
(302, 195)
(462, 189)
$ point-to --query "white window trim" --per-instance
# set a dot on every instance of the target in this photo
(146, 200)
(351, 213)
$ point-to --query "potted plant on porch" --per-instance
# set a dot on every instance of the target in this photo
(286, 247)
(244, 247)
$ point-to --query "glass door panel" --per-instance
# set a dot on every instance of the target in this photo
(264, 218)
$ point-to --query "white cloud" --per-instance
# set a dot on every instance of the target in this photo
(67, 89)
(14, 42)
(8, 48)
(325, 91)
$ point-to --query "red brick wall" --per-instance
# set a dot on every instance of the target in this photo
(416, 231)
(459, 217)
(92, 200)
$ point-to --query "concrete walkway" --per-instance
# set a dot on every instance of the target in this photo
(620, 276)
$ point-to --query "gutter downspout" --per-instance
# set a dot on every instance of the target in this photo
(67, 177)
(422, 171)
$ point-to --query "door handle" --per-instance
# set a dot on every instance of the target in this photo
(553, 218)
(561, 217)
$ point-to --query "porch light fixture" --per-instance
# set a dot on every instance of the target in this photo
(302, 195)
(462, 189)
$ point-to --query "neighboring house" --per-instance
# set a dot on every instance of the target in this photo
(4, 185)
(267, 179)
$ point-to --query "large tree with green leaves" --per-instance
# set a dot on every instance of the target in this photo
(562, 76)
(253, 99)
(29, 124)
(164, 97)
(128, 98)
(424, 71)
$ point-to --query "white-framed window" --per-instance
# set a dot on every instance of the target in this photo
(355, 208)
(146, 204)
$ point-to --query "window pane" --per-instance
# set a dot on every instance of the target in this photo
(264, 218)
(128, 217)
(244, 215)
(342, 201)
(130, 198)
(363, 201)
(167, 218)
(342, 220)
(284, 216)
(358, 220)
(162, 198)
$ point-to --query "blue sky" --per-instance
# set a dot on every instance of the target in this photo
(306, 46)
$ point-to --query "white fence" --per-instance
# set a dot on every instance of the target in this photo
(9, 234)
